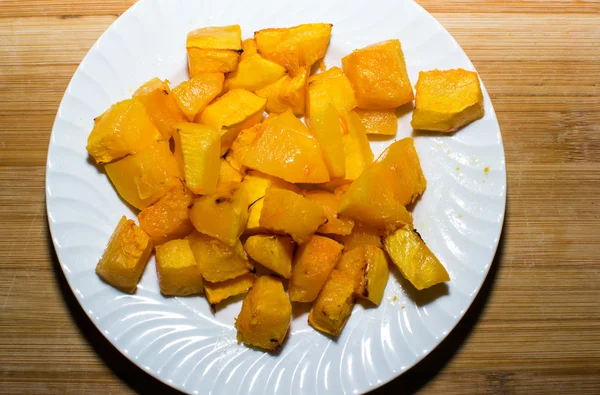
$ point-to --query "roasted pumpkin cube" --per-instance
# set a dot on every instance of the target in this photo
(202, 61)
(414, 259)
(382, 122)
(286, 93)
(157, 98)
(125, 256)
(330, 202)
(178, 272)
(273, 252)
(168, 218)
(216, 37)
(193, 95)
(334, 305)
(285, 149)
(125, 128)
(361, 235)
(217, 292)
(257, 183)
(143, 178)
(357, 149)
(272, 92)
(378, 75)
(367, 266)
(265, 317)
(198, 147)
(447, 100)
(253, 225)
(294, 47)
(240, 147)
(287, 212)
(330, 87)
(218, 261)
(233, 112)
(222, 215)
(227, 175)
(248, 48)
(254, 72)
(327, 129)
(313, 262)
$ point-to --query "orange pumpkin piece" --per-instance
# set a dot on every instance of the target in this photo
(198, 149)
(143, 178)
(168, 218)
(357, 149)
(253, 225)
(285, 149)
(361, 235)
(327, 129)
(254, 72)
(233, 112)
(382, 122)
(330, 87)
(240, 146)
(222, 215)
(218, 292)
(257, 183)
(330, 202)
(216, 37)
(287, 212)
(214, 49)
(367, 266)
(312, 264)
(178, 272)
(193, 95)
(227, 175)
(218, 261)
(294, 47)
(125, 256)
(125, 128)
(447, 100)
(378, 75)
(157, 98)
(334, 305)
(273, 252)
(202, 61)
(248, 48)
(286, 93)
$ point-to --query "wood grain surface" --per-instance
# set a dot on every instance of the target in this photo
(535, 327)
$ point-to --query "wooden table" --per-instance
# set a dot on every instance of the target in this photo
(535, 327)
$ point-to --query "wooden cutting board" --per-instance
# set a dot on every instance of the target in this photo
(535, 327)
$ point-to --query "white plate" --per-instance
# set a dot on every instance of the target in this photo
(179, 340)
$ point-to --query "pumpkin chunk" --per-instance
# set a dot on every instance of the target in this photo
(160, 104)
(217, 292)
(273, 252)
(332, 309)
(178, 272)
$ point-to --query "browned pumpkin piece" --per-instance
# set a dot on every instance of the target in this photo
(143, 178)
(222, 215)
(214, 49)
(312, 264)
(330, 202)
(378, 75)
(168, 218)
(254, 72)
(382, 122)
(265, 317)
(178, 272)
(294, 47)
(157, 98)
(367, 266)
(273, 252)
(217, 292)
(125, 128)
(218, 261)
(202, 61)
(193, 95)
(125, 256)
(362, 235)
(331, 87)
(287, 212)
(334, 305)
(414, 259)
(286, 93)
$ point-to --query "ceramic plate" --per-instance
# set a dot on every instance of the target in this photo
(179, 340)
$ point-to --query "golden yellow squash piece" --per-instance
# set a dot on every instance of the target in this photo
(254, 72)
(334, 305)
(198, 149)
(240, 147)
(336, 224)
(157, 98)
(125, 256)
(287, 212)
(233, 112)
(202, 60)
(248, 48)
(273, 252)
(294, 47)
(378, 76)
(312, 264)
(327, 129)
(217, 292)
(216, 37)
(125, 128)
(227, 175)
(362, 235)
(253, 225)
(447, 100)
(286, 93)
(367, 266)
(285, 149)
(265, 317)
(414, 259)
(214, 49)
(222, 215)
(357, 150)
(382, 122)
(143, 178)
(257, 183)
(193, 95)
(330, 87)
(178, 272)
(218, 261)
(168, 218)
